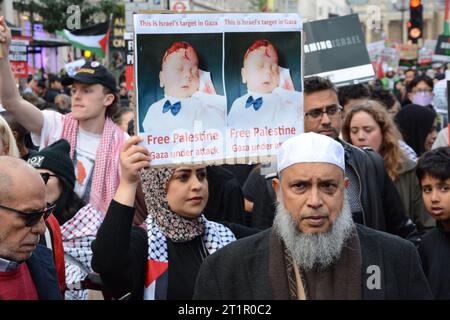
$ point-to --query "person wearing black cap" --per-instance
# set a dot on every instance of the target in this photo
(54, 88)
(95, 141)
(55, 167)
(79, 221)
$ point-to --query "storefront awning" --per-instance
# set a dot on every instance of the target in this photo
(15, 31)
(48, 43)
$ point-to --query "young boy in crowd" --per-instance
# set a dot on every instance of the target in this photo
(183, 104)
(433, 170)
(266, 103)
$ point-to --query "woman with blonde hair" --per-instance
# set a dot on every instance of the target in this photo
(369, 125)
(8, 146)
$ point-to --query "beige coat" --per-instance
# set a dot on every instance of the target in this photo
(410, 192)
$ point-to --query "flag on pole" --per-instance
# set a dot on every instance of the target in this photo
(446, 25)
(94, 38)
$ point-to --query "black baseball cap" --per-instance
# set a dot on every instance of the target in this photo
(53, 78)
(92, 73)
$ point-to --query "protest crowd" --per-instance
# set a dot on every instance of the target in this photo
(357, 206)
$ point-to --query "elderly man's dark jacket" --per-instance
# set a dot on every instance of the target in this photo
(43, 273)
(241, 269)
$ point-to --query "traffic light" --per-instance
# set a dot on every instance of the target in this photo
(415, 23)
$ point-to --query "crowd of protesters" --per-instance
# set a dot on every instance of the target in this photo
(83, 215)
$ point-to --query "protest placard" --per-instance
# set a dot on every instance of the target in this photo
(442, 51)
(335, 49)
(216, 88)
(408, 51)
(430, 44)
(18, 56)
(129, 61)
(389, 59)
(374, 49)
(425, 56)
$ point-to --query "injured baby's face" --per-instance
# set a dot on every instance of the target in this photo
(180, 74)
(261, 71)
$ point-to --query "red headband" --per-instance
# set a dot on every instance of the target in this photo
(177, 46)
(258, 44)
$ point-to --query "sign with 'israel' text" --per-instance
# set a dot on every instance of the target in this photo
(335, 49)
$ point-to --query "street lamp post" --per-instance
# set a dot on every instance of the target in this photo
(400, 5)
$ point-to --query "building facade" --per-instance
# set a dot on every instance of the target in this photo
(322, 9)
(309, 10)
(388, 18)
(223, 5)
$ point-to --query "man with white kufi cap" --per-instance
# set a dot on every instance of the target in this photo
(314, 250)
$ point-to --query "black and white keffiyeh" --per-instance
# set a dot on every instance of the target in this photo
(77, 235)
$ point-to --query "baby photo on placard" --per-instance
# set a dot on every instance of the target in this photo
(181, 82)
(263, 79)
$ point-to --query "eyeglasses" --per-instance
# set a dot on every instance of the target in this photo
(33, 217)
(428, 90)
(46, 176)
(331, 112)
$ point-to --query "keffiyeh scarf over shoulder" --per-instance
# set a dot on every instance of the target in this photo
(163, 223)
(105, 179)
(77, 235)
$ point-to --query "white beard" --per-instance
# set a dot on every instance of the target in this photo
(318, 250)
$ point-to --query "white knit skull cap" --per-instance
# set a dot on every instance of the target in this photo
(310, 147)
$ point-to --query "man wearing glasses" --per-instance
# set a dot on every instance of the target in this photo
(374, 201)
(27, 270)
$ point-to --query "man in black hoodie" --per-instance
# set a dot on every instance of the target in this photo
(374, 201)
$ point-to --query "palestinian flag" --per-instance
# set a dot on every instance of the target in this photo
(93, 38)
